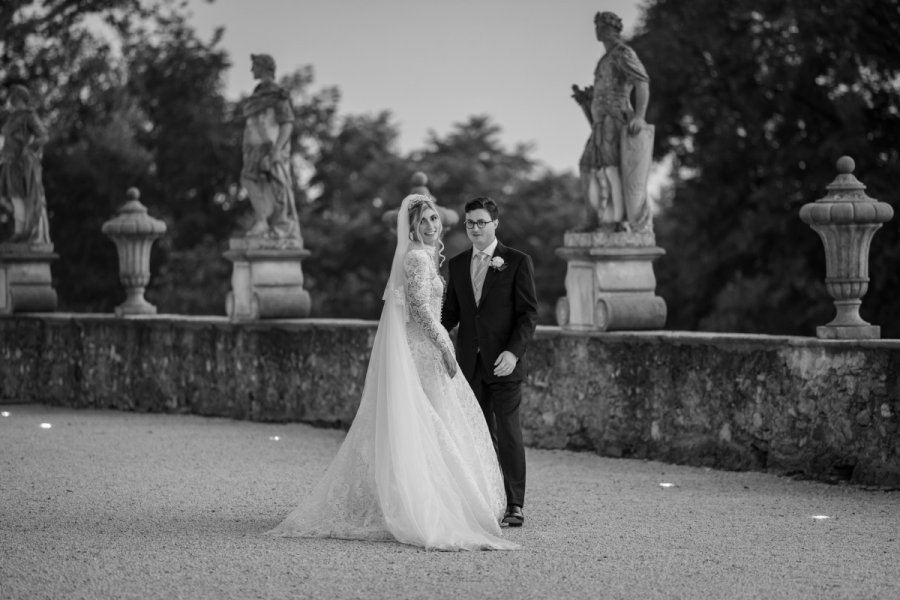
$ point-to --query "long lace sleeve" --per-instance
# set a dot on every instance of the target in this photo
(419, 274)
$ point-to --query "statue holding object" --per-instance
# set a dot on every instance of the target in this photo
(610, 283)
(616, 159)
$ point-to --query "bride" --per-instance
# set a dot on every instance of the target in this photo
(417, 465)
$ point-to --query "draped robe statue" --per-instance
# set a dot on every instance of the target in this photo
(266, 173)
(23, 206)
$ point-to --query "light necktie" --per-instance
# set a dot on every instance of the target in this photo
(479, 270)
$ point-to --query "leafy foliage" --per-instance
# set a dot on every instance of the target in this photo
(361, 176)
(756, 100)
(357, 168)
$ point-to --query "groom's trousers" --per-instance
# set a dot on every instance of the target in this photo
(500, 401)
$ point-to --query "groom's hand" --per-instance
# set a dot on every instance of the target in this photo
(505, 363)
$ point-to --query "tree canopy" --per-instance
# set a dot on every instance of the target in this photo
(755, 101)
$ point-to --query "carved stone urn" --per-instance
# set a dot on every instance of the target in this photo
(134, 232)
(846, 219)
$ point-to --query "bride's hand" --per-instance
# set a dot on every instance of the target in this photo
(450, 363)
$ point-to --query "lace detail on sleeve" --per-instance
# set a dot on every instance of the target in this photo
(419, 275)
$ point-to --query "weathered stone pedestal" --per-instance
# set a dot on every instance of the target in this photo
(610, 284)
(25, 280)
(267, 280)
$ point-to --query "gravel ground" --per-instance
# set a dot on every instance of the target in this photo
(107, 504)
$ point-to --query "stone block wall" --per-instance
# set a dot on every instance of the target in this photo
(828, 410)
(823, 409)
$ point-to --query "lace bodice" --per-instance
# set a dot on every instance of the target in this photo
(424, 296)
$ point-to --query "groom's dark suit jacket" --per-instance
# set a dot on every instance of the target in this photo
(505, 319)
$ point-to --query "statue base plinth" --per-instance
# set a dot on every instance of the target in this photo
(267, 280)
(848, 332)
(25, 281)
(610, 284)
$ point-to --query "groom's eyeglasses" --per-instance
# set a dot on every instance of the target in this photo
(480, 224)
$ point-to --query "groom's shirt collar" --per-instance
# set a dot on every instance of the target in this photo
(490, 249)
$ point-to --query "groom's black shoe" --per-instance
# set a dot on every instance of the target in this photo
(514, 516)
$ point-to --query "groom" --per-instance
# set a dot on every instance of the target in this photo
(490, 295)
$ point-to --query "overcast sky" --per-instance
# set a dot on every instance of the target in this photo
(432, 63)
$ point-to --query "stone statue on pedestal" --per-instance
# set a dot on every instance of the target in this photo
(617, 156)
(25, 248)
(610, 282)
(266, 173)
(23, 207)
(267, 274)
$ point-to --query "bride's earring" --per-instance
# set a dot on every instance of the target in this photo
(412, 238)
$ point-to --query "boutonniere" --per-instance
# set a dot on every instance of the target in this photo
(498, 263)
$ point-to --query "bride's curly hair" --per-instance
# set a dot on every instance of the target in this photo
(417, 205)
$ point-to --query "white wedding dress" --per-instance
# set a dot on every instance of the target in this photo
(417, 465)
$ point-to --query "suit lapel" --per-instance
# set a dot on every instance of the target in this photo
(492, 273)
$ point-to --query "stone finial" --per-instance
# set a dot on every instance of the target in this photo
(419, 182)
(134, 231)
(846, 220)
(419, 185)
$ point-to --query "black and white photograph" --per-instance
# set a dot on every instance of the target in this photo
(416, 299)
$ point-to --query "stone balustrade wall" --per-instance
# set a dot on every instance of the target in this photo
(823, 409)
